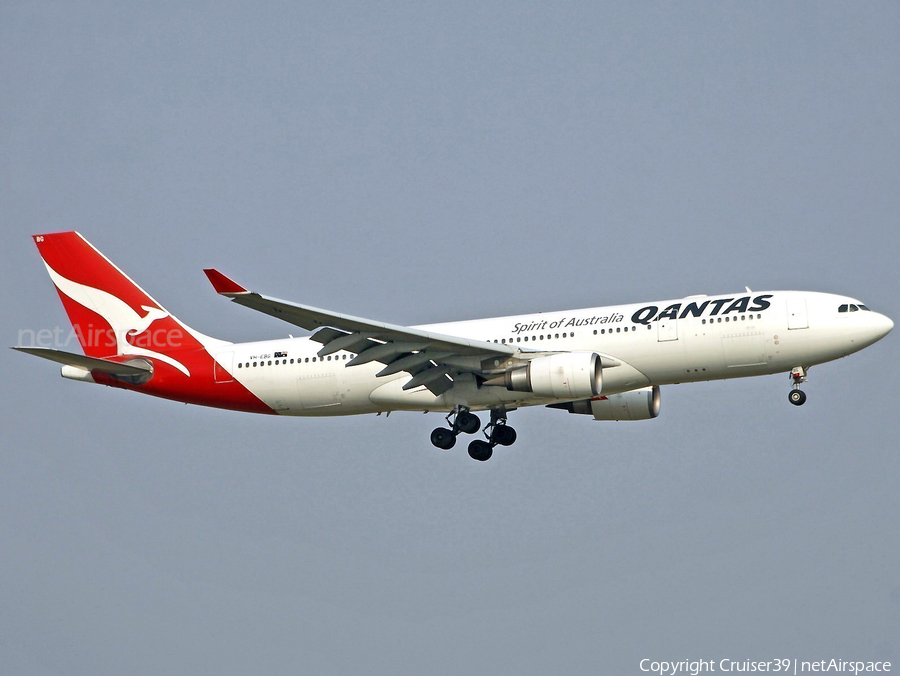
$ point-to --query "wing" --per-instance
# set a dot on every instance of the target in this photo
(432, 359)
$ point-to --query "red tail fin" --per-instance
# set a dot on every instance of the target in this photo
(115, 319)
(111, 314)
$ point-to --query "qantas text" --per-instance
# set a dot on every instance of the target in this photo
(711, 307)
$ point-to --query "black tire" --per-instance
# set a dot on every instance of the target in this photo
(504, 435)
(443, 438)
(480, 450)
(797, 397)
(468, 423)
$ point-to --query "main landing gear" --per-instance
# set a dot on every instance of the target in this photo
(460, 420)
(496, 432)
(797, 396)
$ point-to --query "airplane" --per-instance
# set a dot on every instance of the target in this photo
(605, 362)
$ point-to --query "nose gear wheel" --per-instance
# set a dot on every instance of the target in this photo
(797, 396)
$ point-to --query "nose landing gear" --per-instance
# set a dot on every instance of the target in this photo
(797, 396)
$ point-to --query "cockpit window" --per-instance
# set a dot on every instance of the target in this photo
(849, 307)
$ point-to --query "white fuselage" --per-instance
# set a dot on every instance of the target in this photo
(660, 343)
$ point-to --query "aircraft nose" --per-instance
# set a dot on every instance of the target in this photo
(882, 325)
(876, 327)
(870, 328)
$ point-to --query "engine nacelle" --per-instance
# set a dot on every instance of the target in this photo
(642, 404)
(559, 376)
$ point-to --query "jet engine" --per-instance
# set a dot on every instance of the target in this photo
(560, 376)
(642, 404)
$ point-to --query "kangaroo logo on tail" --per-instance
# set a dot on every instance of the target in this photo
(122, 319)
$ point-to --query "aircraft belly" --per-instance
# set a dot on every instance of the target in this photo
(465, 392)
(391, 396)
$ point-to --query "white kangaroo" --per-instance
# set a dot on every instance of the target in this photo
(118, 314)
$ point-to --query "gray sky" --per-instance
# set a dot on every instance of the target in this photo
(417, 163)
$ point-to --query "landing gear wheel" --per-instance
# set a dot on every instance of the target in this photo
(503, 435)
(467, 422)
(797, 397)
(443, 438)
(480, 450)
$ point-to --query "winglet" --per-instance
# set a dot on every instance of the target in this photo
(223, 285)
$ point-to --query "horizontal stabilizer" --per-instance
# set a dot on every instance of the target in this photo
(136, 369)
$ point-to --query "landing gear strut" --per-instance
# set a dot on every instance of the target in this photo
(460, 420)
(497, 433)
(797, 396)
